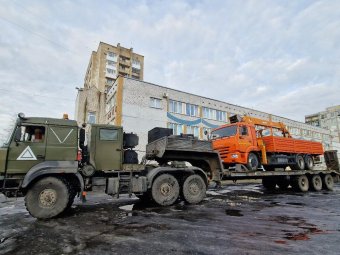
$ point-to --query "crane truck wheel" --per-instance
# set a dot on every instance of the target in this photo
(309, 162)
(328, 182)
(316, 182)
(194, 189)
(301, 183)
(299, 162)
(253, 162)
(48, 197)
(165, 190)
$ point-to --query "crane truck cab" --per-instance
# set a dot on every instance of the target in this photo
(235, 142)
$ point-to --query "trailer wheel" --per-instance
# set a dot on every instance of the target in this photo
(165, 190)
(309, 162)
(300, 162)
(301, 183)
(328, 182)
(269, 183)
(194, 189)
(316, 182)
(47, 198)
(253, 162)
(283, 182)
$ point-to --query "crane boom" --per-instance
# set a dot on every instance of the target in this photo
(263, 123)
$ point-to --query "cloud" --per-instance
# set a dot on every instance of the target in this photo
(281, 57)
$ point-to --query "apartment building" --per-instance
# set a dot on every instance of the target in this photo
(139, 106)
(105, 65)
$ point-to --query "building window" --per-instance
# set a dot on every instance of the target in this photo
(135, 70)
(135, 63)
(109, 81)
(221, 116)
(213, 114)
(91, 118)
(194, 130)
(177, 128)
(155, 103)
(111, 63)
(112, 55)
(110, 71)
(191, 110)
(175, 106)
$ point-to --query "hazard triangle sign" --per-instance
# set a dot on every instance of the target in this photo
(27, 154)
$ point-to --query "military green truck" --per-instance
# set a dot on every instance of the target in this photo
(42, 161)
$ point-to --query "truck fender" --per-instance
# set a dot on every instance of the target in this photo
(152, 174)
(51, 167)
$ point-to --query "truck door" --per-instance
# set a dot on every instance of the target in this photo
(108, 152)
(27, 151)
(62, 143)
(245, 139)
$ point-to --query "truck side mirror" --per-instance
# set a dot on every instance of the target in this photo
(206, 132)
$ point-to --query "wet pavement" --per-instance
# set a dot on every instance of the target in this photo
(238, 219)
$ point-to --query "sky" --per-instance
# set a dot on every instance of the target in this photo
(281, 57)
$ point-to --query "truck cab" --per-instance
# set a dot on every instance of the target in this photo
(37, 143)
(234, 142)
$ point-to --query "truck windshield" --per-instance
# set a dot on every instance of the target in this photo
(224, 132)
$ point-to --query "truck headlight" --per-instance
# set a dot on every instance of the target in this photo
(234, 156)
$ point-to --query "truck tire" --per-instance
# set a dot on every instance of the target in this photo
(165, 190)
(269, 183)
(194, 189)
(328, 182)
(301, 183)
(299, 162)
(48, 197)
(309, 162)
(253, 162)
(283, 182)
(316, 182)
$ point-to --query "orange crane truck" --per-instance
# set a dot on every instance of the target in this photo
(253, 142)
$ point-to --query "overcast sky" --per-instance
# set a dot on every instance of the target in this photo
(282, 57)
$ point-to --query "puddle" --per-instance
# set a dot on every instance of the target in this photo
(233, 212)
(297, 237)
(292, 203)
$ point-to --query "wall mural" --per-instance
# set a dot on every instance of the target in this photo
(190, 122)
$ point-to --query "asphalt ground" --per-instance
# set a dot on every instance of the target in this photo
(237, 219)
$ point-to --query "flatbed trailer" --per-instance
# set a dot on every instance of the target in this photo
(202, 155)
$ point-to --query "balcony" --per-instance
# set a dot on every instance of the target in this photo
(110, 75)
(124, 62)
(124, 70)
